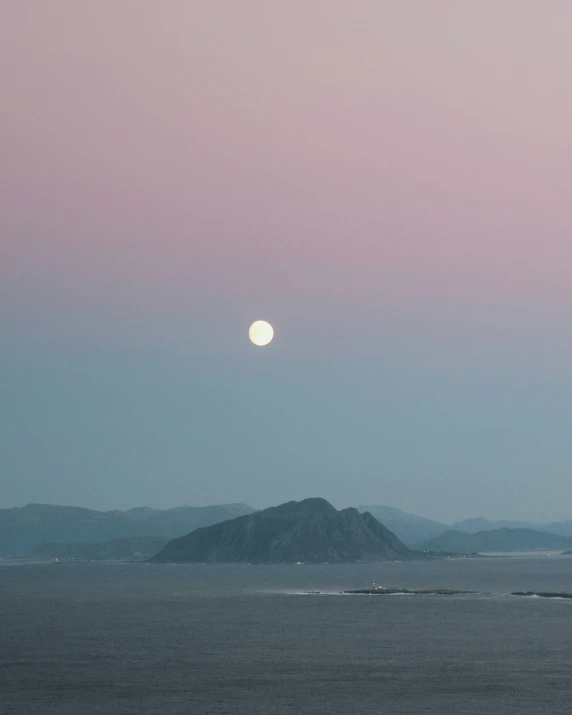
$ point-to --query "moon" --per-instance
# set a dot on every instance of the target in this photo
(261, 333)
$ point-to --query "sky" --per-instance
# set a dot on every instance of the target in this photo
(387, 182)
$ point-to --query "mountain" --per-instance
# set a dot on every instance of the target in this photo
(564, 528)
(140, 547)
(307, 531)
(171, 523)
(22, 529)
(503, 539)
(409, 528)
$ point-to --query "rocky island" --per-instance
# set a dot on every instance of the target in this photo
(309, 531)
(383, 591)
(543, 594)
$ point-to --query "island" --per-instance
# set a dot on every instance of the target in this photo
(542, 594)
(383, 591)
(308, 531)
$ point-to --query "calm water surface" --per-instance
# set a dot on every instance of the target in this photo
(136, 638)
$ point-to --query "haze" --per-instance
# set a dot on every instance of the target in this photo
(388, 183)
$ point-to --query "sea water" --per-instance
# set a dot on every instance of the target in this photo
(112, 639)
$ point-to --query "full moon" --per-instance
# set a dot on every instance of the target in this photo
(261, 333)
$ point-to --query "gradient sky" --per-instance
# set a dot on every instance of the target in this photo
(387, 182)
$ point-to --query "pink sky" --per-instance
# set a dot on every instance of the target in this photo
(409, 158)
(388, 182)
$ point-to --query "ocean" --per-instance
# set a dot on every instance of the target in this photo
(112, 639)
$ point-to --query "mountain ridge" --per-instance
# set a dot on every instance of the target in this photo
(24, 528)
(136, 548)
(310, 531)
(475, 524)
(409, 528)
(503, 539)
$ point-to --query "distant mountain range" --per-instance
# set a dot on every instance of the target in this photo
(74, 529)
(138, 547)
(310, 531)
(23, 529)
(411, 529)
(563, 528)
(503, 539)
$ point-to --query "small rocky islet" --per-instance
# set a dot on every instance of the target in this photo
(543, 594)
(376, 590)
(383, 591)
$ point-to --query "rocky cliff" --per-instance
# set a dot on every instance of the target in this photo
(310, 531)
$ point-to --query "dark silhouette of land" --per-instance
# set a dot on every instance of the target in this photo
(310, 531)
(42, 531)
(497, 540)
(24, 529)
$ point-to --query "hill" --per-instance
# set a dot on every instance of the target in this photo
(142, 547)
(170, 523)
(307, 531)
(409, 528)
(564, 528)
(24, 528)
(503, 539)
